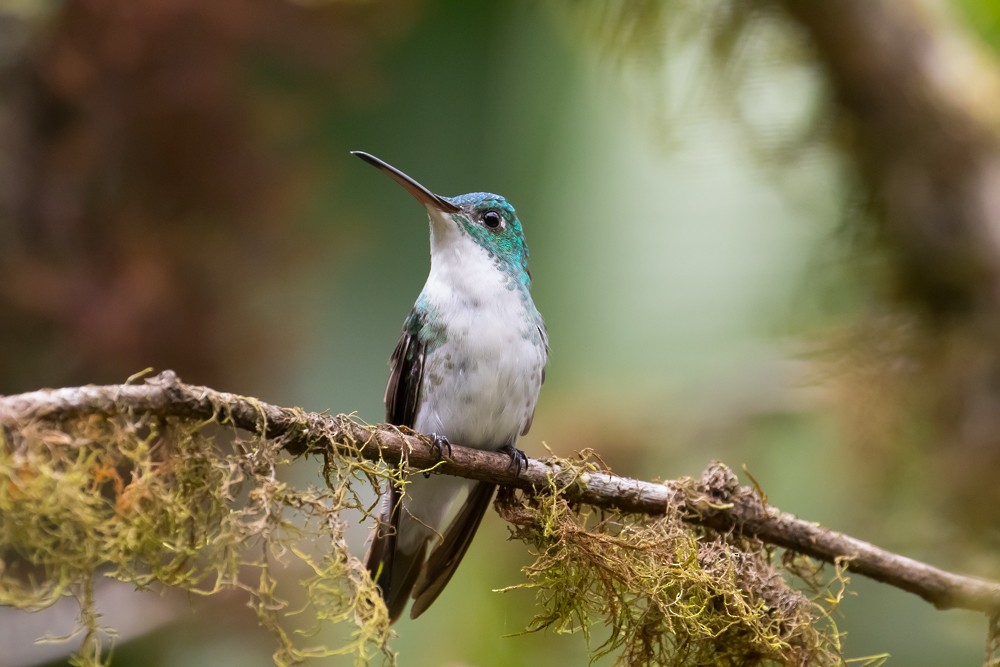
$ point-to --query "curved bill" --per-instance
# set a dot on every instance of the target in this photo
(419, 192)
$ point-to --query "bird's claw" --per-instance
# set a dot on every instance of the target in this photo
(518, 459)
(439, 443)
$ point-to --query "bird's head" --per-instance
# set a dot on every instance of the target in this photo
(488, 219)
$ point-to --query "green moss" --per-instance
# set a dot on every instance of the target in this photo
(670, 593)
(158, 503)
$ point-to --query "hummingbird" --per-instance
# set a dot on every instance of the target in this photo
(467, 369)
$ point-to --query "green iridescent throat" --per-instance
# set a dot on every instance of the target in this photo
(505, 245)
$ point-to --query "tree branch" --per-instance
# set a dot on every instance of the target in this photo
(923, 104)
(717, 501)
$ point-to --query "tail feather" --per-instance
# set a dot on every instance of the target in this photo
(444, 560)
(405, 572)
(382, 549)
(393, 570)
(402, 569)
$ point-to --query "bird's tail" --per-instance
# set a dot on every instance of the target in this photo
(399, 568)
(444, 560)
(391, 568)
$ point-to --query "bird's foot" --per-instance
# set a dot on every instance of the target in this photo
(518, 459)
(439, 443)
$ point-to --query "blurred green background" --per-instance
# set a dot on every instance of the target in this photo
(179, 194)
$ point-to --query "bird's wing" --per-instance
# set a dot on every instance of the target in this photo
(406, 369)
(395, 571)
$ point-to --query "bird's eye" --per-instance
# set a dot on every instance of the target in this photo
(492, 219)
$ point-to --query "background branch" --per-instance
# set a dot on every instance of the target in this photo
(923, 107)
(717, 501)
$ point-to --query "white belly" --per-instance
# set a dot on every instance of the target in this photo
(480, 386)
(479, 389)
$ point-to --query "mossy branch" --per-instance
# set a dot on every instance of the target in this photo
(717, 501)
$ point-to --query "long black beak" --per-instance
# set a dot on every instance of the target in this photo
(419, 192)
